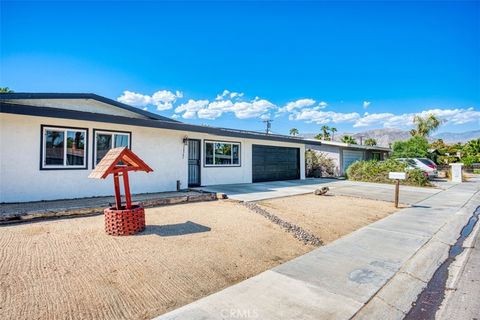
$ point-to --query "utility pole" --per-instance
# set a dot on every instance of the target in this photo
(268, 124)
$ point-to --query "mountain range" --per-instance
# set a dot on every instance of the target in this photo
(388, 135)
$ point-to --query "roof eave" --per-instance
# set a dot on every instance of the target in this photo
(106, 118)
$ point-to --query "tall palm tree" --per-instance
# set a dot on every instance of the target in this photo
(333, 130)
(6, 90)
(370, 142)
(325, 130)
(294, 132)
(425, 126)
(349, 140)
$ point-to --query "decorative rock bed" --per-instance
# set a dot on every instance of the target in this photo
(297, 231)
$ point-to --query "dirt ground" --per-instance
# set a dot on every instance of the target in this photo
(328, 217)
(70, 269)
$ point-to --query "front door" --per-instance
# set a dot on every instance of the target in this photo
(194, 163)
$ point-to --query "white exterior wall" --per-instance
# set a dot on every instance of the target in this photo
(242, 174)
(22, 180)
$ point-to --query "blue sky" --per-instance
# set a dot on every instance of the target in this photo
(352, 65)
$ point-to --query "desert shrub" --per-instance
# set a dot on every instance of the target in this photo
(377, 171)
(319, 164)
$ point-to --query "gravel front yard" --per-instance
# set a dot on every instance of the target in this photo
(69, 269)
(328, 217)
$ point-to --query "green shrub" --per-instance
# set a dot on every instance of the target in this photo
(377, 171)
(411, 148)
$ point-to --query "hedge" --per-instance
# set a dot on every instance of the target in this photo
(377, 171)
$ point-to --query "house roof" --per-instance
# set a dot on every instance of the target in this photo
(110, 163)
(12, 108)
(92, 96)
(349, 145)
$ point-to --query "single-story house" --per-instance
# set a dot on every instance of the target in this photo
(344, 154)
(50, 142)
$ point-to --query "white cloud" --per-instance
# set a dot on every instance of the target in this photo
(237, 95)
(322, 104)
(374, 118)
(191, 108)
(300, 110)
(162, 99)
(252, 109)
(298, 104)
(242, 109)
(215, 109)
(134, 99)
(229, 94)
(390, 120)
(222, 95)
(324, 117)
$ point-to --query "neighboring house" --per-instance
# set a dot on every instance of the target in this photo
(344, 154)
(49, 143)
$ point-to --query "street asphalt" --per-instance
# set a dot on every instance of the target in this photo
(462, 301)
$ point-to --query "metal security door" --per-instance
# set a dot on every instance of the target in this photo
(194, 163)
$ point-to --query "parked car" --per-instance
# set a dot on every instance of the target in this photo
(427, 166)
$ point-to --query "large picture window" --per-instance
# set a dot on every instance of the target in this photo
(222, 153)
(64, 148)
(106, 140)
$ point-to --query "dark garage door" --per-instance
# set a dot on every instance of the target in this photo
(275, 163)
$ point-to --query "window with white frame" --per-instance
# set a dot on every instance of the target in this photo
(222, 153)
(64, 148)
(106, 140)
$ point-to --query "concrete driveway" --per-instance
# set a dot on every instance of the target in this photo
(277, 189)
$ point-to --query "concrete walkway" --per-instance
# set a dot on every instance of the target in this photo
(375, 272)
(276, 189)
(83, 206)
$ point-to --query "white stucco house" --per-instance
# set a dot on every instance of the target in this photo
(50, 142)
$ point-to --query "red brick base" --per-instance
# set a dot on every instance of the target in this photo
(124, 222)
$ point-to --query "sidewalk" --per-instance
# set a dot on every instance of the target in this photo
(348, 277)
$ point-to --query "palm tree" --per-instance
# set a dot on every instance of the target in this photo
(319, 136)
(349, 140)
(333, 130)
(425, 126)
(370, 142)
(6, 90)
(325, 130)
(294, 132)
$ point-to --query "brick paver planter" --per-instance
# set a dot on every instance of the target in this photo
(124, 222)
